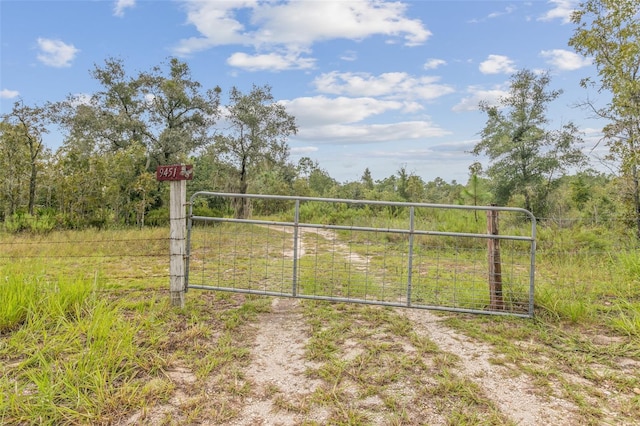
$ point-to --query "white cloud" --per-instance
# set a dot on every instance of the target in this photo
(463, 146)
(80, 99)
(433, 63)
(371, 133)
(8, 94)
(269, 61)
(477, 95)
(298, 22)
(349, 55)
(301, 150)
(497, 64)
(410, 107)
(121, 5)
(56, 53)
(296, 25)
(507, 11)
(320, 110)
(393, 85)
(435, 152)
(592, 131)
(562, 9)
(338, 121)
(565, 60)
(217, 24)
(592, 134)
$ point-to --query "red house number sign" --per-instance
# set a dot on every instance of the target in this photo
(174, 172)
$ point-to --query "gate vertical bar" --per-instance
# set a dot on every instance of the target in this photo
(188, 248)
(296, 228)
(532, 268)
(410, 262)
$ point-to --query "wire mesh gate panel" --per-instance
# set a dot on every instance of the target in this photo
(430, 256)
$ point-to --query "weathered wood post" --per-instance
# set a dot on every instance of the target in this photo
(177, 175)
(495, 266)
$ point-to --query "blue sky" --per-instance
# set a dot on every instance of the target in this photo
(377, 84)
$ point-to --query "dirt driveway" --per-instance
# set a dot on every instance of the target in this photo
(317, 363)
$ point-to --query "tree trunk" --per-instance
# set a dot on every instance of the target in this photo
(32, 186)
(636, 197)
(242, 205)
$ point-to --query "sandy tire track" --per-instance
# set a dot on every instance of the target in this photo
(513, 395)
(278, 369)
(278, 362)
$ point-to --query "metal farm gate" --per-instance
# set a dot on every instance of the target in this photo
(418, 255)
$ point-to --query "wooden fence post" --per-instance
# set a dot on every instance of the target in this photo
(177, 243)
(177, 175)
(495, 266)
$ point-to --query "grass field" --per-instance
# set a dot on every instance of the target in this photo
(87, 336)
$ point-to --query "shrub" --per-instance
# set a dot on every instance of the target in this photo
(157, 217)
(24, 222)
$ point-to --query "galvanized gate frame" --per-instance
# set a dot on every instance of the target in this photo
(412, 232)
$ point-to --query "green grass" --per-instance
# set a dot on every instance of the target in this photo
(88, 336)
(627, 318)
(78, 345)
(70, 356)
(400, 370)
(18, 294)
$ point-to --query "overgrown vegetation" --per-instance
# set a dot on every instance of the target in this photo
(79, 345)
(87, 335)
(102, 175)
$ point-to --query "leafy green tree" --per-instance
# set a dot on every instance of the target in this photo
(79, 180)
(132, 189)
(526, 158)
(306, 166)
(586, 198)
(312, 180)
(350, 191)
(166, 111)
(609, 32)
(321, 183)
(156, 117)
(111, 118)
(387, 189)
(15, 169)
(402, 183)
(255, 140)
(475, 193)
(29, 125)
(278, 181)
(366, 179)
(415, 188)
(210, 175)
(91, 189)
(402, 186)
(580, 191)
(179, 115)
(440, 191)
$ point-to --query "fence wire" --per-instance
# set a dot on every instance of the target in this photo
(110, 261)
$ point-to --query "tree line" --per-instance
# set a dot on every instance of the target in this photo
(103, 173)
(115, 138)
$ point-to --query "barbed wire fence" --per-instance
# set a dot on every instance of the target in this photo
(133, 264)
(140, 262)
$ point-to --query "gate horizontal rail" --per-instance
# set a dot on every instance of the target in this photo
(411, 266)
